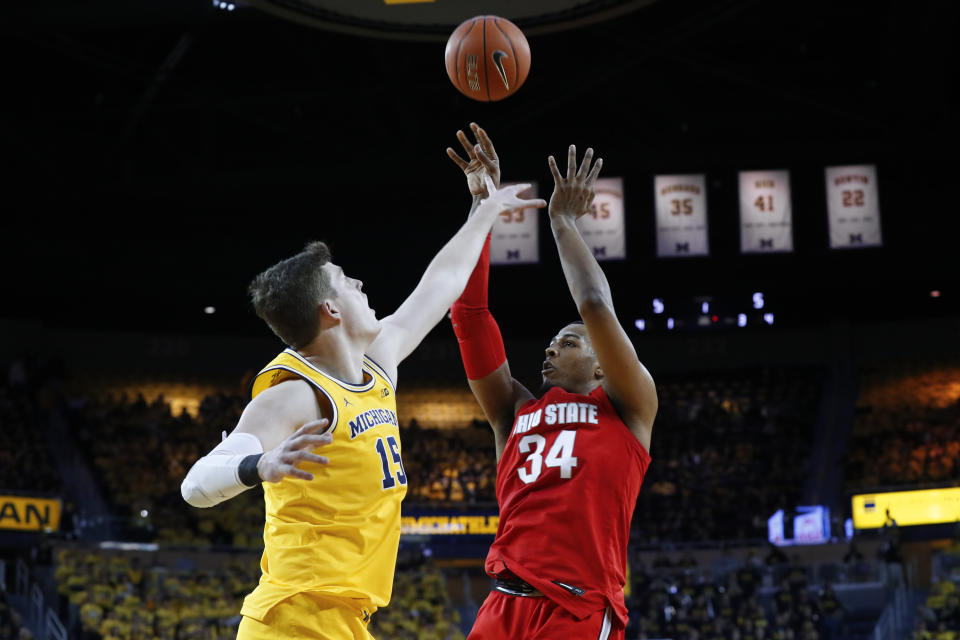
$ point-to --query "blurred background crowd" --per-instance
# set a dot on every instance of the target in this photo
(730, 448)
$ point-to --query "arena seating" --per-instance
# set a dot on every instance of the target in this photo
(124, 437)
(938, 617)
(436, 407)
(25, 463)
(109, 595)
(450, 466)
(938, 614)
(752, 599)
(710, 432)
(745, 435)
(907, 428)
(419, 609)
(113, 595)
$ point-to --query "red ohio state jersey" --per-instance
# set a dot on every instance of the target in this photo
(567, 484)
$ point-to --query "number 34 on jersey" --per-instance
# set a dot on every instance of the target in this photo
(560, 455)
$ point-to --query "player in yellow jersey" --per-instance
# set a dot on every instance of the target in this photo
(333, 520)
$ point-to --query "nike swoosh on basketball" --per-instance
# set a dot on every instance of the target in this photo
(498, 57)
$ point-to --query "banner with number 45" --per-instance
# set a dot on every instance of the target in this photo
(603, 227)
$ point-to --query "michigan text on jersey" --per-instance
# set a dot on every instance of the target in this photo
(370, 419)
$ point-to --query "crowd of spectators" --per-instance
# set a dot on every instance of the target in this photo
(419, 608)
(453, 466)
(754, 600)
(109, 595)
(747, 437)
(25, 464)
(114, 596)
(721, 443)
(118, 595)
(907, 428)
(141, 453)
(938, 618)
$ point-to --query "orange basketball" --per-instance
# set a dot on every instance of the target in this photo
(487, 58)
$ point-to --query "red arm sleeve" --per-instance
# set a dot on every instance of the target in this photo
(481, 345)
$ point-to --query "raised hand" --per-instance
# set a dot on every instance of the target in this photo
(573, 194)
(481, 159)
(507, 198)
(282, 461)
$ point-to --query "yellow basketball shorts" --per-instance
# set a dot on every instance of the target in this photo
(312, 616)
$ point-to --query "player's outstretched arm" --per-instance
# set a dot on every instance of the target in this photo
(284, 421)
(626, 380)
(484, 357)
(444, 278)
(481, 345)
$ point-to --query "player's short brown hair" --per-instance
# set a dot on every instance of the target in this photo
(287, 294)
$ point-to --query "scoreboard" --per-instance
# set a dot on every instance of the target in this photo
(706, 312)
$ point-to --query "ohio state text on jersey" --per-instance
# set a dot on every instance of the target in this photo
(567, 484)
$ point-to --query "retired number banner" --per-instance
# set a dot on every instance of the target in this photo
(853, 207)
(766, 215)
(515, 238)
(681, 203)
(603, 228)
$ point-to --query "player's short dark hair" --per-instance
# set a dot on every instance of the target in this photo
(287, 294)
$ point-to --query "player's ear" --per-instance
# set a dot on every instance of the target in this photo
(597, 373)
(329, 313)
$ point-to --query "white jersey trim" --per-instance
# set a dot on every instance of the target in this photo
(383, 373)
(607, 625)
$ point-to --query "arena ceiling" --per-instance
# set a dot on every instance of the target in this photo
(435, 19)
(158, 154)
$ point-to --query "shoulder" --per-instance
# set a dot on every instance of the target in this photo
(281, 408)
(288, 395)
(639, 423)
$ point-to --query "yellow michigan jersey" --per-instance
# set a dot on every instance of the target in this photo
(337, 534)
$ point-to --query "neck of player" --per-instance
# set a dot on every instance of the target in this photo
(337, 354)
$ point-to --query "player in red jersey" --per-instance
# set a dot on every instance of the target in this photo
(570, 464)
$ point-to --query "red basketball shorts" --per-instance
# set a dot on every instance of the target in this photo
(505, 617)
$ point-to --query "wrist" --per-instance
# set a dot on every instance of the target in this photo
(249, 471)
(488, 209)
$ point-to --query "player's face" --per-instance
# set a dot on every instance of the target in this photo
(356, 315)
(570, 362)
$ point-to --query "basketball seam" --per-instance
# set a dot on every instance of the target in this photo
(460, 46)
(486, 73)
(516, 60)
